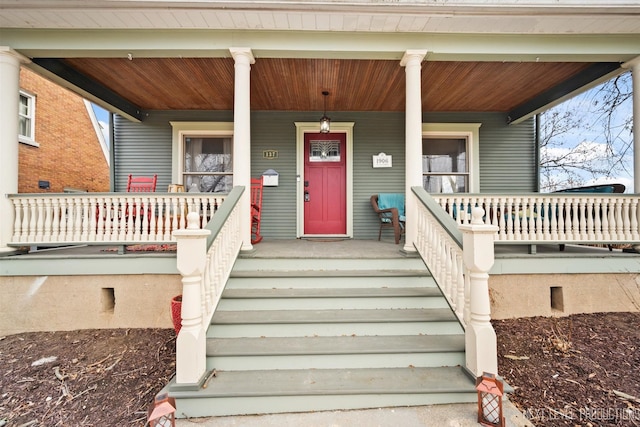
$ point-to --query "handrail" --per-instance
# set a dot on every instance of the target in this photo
(459, 258)
(440, 246)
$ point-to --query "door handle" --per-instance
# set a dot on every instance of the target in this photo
(306, 196)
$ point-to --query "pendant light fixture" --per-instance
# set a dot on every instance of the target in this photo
(325, 121)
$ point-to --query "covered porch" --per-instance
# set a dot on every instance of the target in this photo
(251, 78)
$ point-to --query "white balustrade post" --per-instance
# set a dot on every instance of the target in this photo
(478, 255)
(191, 343)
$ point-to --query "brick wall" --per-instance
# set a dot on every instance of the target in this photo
(69, 155)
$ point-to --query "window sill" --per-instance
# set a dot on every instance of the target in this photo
(27, 141)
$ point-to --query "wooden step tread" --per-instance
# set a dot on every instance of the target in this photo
(322, 382)
(332, 292)
(334, 345)
(222, 317)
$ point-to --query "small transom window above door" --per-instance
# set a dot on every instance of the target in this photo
(208, 164)
(445, 165)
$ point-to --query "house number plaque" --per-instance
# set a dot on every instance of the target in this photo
(382, 161)
(270, 154)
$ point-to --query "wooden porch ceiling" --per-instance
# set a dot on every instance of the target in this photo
(354, 85)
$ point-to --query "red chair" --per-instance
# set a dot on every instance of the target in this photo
(140, 184)
(256, 209)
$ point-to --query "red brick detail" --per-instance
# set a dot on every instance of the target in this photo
(69, 155)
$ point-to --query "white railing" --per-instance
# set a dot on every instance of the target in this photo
(204, 258)
(552, 218)
(104, 218)
(441, 251)
(459, 258)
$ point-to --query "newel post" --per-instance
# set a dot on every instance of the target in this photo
(478, 255)
(191, 343)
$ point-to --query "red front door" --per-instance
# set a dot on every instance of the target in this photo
(325, 184)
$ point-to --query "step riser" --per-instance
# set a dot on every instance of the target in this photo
(322, 282)
(345, 361)
(277, 404)
(322, 267)
(331, 303)
(340, 329)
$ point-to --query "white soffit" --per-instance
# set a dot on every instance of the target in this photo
(443, 16)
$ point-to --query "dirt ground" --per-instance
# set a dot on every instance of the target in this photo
(582, 370)
(83, 378)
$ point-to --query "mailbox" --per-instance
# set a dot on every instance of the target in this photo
(270, 178)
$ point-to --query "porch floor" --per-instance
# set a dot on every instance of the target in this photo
(355, 248)
(335, 248)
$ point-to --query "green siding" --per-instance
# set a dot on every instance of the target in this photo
(507, 161)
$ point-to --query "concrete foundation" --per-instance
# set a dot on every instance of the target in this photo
(58, 303)
(531, 295)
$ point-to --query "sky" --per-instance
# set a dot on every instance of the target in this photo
(103, 119)
(589, 138)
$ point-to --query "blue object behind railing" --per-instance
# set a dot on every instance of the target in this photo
(599, 188)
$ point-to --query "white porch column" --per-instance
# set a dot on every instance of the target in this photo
(413, 141)
(9, 100)
(242, 138)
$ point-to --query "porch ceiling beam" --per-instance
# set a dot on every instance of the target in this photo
(67, 77)
(588, 78)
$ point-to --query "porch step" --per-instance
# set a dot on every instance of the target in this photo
(308, 335)
(349, 352)
(304, 390)
(313, 298)
(327, 267)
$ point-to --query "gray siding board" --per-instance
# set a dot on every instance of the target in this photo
(507, 161)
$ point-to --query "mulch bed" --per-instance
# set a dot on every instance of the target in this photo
(83, 378)
(582, 370)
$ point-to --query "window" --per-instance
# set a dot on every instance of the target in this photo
(450, 161)
(444, 165)
(208, 164)
(202, 156)
(26, 117)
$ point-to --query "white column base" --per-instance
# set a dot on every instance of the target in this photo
(191, 359)
(481, 349)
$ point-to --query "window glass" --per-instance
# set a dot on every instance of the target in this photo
(444, 165)
(324, 151)
(25, 116)
(208, 164)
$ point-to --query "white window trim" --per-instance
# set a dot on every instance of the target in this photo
(182, 129)
(469, 131)
(32, 116)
